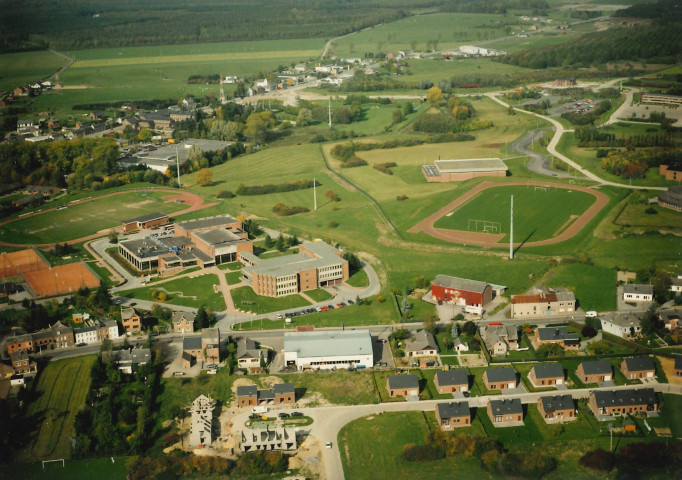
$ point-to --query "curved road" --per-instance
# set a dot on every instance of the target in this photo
(538, 163)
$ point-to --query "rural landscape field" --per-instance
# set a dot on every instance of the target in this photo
(328, 240)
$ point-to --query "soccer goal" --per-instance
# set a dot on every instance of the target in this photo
(484, 226)
(51, 461)
(541, 189)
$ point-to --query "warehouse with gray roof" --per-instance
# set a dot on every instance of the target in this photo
(327, 350)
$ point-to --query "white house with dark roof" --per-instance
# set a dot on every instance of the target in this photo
(248, 353)
(635, 292)
(422, 345)
(624, 325)
(85, 335)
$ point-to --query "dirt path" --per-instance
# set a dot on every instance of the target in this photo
(488, 240)
(194, 201)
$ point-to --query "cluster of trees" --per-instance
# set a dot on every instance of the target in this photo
(640, 42)
(454, 115)
(113, 423)
(282, 242)
(204, 79)
(634, 458)
(286, 210)
(587, 117)
(276, 188)
(319, 112)
(489, 452)
(631, 163)
(590, 136)
(385, 167)
(538, 7)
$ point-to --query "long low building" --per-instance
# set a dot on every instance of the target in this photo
(661, 99)
(464, 169)
(461, 291)
(316, 265)
(543, 304)
(326, 350)
(150, 221)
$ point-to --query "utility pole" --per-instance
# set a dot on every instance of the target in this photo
(177, 163)
(511, 230)
(330, 112)
(315, 193)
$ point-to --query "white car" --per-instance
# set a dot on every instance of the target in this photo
(279, 316)
(328, 445)
(591, 314)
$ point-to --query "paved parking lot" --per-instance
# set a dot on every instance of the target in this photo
(643, 111)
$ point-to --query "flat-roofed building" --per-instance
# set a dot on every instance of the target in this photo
(543, 304)
(593, 371)
(316, 265)
(605, 403)
(149, 221)
(557, 408)
(143, 253)
(464, 169)
(452, 415)
(661, 99)
(326, 350)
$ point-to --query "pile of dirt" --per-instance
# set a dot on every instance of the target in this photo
(268, 382)
(307, 459)
(241, 382)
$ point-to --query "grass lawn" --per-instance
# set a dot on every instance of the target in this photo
(21, 68)
(530, 223)
(186, 292)
(260, 304)
(340, 387)
(100, 468)
(230, 266)
(358, 279)
(451, 360)
(319, 294)
(233, 278)
(594, 286)
(671, 408)
(63, 386)
(86, 218)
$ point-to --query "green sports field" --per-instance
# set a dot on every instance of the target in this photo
(86, 218)
(538, 214)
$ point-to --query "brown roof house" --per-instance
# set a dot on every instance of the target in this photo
(451, 381)
(593, 371)
(423, 345)
(557, 408)
(132, 323)
(248, 353)
(546, 375)
(506, 412)
(638, 367)
(499, 378)
(183, 322)
(452, 415)
(605, 403)
(403, 386)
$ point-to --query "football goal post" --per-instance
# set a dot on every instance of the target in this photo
(542, 189)
(51, 461)
(484, 226)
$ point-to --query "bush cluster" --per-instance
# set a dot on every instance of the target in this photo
(276, 188)
(285, 210)
(385, 167)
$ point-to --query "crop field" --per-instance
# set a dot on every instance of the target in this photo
(86, 218)
(20, 68)
(537, 214)
(63, 386)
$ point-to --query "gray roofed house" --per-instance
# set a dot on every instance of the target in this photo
(247, 390)
(450, 378)
(557, 334)
(424, 344)
(678, 365)
(500, 407)
(499, 378)
(506, 412)
(593, 367)
(557, 402)
(556, 408)
(248, 353)
(403, 385)
(191, 343)
(548, 370)
(622, 402)
(624, 325)
(637, 289)
(638, 364)
(453, 414)
(499, 339)
(282, 388)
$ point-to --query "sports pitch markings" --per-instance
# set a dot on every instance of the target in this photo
(489, 240)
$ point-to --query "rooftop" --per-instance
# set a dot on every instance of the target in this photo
(502, 374)
(596, 367)
(219, 237)
(470, 165)
(453, 409)
(209, 222)
(409, 380)
(325, 255)
(457, 376)
(638, 364)
(625, 320)
(636, 288)
(336, 343)
(179, 316)
(460, 283)
(534, 298)
(423, 340)
(191, 343)
(146, 218)
(500, 407)
(557, 402)
(145, 247)
(548, 370)
(548, 334)
(612, 398)
(247, 390)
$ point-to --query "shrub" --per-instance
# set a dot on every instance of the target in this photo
(331, 195)
(651, 211)
(421, 453)
(400, 198)
(588, 331)
(276, 188)
(381, 299)
(354, 161)
(598, 460)
(385, 167)
(286, 210)
(318, 139)
(225, 194)
(333, 224)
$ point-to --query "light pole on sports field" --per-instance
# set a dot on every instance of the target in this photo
(511, 230)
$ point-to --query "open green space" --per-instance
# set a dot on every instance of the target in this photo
(63, 386)
(594, 286)
(100, 468)
(246, 300)
(20, 68)
(187, 292)
(559, 206)
(87, 218)
(672, 406)
(358, 279)
(319, 294)
(340, 387)
(233, 278)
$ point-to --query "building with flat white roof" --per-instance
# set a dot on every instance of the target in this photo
(328, 349)
(464, 169)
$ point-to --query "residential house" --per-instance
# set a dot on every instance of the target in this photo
(183, 322)
(132, 323)
(546, 375)
(501, 378)
(676, 284)
(451, 381)
(192, 351)
(56, 336)
(452, 415)
(556, 408)
(201, 426)
(678, 366)
(248, 353)
(285, 393)
(507, 412)
(546, 303)
(127, 359)
(406, 385)
(280, 394)
(108, 328)
(635, 292)
(459, 346)
(559, 335)
(423, 345)
(593, 371)
(21, 363)
(670, 318)
(277, 439)
(623, 325)
(623, 402)
(499, 339)
(247, 395)
(86, 335)
(210, 342)
(15, 342)
(638, 367)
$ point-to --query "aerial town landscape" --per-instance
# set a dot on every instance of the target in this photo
(326, 240)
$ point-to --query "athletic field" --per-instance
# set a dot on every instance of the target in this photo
(539, 212)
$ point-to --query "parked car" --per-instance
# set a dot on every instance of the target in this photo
(279, 316)
(328, 445)
(213, 371)
(351, 302)
(283, 415)
(296, 414)
(212, 365)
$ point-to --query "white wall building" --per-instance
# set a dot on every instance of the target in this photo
(622, 325)
(328, 350)
(635, 292)
(85, 335)
(201, 428)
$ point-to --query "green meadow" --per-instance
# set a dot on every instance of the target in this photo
(20, 68)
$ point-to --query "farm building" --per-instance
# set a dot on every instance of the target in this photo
(464, 169)
(327, 350)
(316, 265)
(150, 221)
(545, 303)
(461, 291)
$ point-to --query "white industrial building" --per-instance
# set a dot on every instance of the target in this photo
(328, 350)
